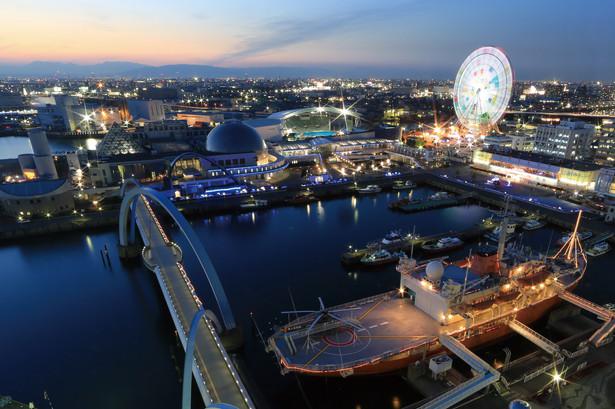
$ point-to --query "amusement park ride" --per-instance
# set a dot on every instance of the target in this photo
(482, 91)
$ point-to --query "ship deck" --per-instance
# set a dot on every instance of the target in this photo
(389, 325)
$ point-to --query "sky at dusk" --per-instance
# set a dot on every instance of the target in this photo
(544, 38)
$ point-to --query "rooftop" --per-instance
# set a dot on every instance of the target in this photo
(31, 188)
(545, 159)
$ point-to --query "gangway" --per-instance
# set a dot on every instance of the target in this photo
(601, 312)
(542, 342)
(603, 334)
(485, 375)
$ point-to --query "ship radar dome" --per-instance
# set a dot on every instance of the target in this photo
(434, 270)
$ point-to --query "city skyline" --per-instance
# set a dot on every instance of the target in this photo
(553, 40)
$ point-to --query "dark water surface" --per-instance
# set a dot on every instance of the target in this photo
(100, 338)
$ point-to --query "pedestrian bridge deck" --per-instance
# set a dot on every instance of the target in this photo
(215, 373)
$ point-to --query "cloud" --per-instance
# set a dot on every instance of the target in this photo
(282, 33)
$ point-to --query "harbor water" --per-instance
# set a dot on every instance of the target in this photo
(99, 337)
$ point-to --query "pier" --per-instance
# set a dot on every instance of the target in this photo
(353, 256)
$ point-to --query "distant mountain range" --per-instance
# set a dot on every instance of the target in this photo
(125, 69)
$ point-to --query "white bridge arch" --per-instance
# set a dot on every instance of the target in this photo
(131, 191)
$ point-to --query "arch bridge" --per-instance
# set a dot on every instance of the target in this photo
(213, 369)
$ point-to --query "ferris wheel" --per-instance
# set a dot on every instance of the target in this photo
(483, 87)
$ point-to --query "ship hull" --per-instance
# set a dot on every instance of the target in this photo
(527, 316)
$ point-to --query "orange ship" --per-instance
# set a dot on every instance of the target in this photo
(472, 300)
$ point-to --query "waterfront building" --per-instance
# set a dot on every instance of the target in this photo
(538, 169)
(231, 150)
(568, 140)
(605, 183)
(42, 198)
(149, 110)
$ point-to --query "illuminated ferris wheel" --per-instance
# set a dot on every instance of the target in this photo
(482, 89)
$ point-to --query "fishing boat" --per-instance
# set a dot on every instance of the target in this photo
(442, 245)
(599, 249)
(369, 189)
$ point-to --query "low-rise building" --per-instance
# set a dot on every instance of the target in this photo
(538, 169)
(36, 198)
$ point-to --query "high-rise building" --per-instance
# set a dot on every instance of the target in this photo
(569, 140)
(605, 148)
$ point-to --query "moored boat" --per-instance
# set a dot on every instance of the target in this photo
(401, 185)
(253, 203)
(381, 257)
(369, 189)
(442, 245)
(599, 249)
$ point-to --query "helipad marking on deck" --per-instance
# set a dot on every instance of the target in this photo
(384, 323)
(373, 326)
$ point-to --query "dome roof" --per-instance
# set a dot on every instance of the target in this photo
(234, 137)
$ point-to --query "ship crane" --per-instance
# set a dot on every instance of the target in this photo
(320, 316)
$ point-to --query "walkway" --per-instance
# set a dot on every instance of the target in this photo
(214, 371)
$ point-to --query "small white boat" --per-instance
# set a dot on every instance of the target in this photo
(254, 203)
(444, 244)
(393, 237)
(440, 196)
(381, 257)
(495, 233)
(533, 224)
(599, 249)
(400, 185)
(369, 189)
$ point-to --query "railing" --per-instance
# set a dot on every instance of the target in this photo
(542, 370)
(587, 305)
(179, 320)
(533, 336)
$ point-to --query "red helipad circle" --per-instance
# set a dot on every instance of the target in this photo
(341, 338)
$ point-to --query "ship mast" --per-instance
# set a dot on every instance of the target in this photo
(571, 249)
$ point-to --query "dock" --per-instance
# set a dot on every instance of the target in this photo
(353, 256)
(427, 204)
